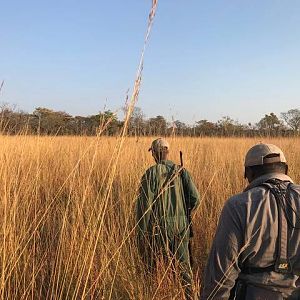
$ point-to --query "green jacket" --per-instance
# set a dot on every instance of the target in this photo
(165, 211)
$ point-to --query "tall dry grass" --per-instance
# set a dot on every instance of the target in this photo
(63, 236)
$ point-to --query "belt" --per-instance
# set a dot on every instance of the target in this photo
(254, 270)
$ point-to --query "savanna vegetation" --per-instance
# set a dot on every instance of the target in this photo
(68, 202)
(67, 212)
(45, 121)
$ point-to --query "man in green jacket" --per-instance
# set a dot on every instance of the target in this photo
(167, 195)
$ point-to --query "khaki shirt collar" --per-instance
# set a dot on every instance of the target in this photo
(260, 180)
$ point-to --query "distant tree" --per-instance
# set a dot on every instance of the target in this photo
(48, 121)
(103, 123)
(292, 119)
(6, 113)
(269, 124)
(137, 125)
(113, 124)
(178, 128)
(13, 121)
(205, 128)
(157, 126)
(79, 125)
(227, 126)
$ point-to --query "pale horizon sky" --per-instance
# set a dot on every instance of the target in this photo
(205, 59)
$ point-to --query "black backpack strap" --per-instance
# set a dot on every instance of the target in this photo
(279, 191)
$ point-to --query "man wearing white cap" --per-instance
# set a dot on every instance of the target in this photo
(256, 250)
(167, 194)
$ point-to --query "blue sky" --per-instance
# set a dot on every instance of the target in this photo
(205, 59)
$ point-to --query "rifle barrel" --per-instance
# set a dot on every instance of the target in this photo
(181, 159)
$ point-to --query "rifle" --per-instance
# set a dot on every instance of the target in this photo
(188, 208)
(187, 200)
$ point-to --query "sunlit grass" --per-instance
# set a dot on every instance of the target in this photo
(64, 237)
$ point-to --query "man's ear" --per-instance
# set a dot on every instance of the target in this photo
(248, 174)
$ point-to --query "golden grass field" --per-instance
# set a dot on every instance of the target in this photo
(67, 212)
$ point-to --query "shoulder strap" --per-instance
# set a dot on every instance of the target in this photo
(279, 191)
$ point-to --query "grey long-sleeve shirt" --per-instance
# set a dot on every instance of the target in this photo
(247, 237)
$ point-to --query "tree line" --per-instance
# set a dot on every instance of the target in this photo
(45, 121)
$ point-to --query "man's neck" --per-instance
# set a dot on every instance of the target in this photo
(158, 161)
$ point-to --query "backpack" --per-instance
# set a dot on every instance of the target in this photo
(288, 220)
